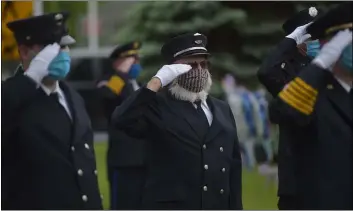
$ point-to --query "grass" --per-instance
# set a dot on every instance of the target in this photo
(257, 195)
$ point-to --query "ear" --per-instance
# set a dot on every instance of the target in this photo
(24, 52)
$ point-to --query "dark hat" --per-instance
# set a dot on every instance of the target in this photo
(126, 50)
(44, 29)
(334, 20)
(184, 45)
(301, 18)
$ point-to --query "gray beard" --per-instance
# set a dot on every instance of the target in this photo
(182, 94)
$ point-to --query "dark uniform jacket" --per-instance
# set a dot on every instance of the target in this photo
(186, 169)
(48, 161)
(281, 66)
(322, 110)
(123, 150)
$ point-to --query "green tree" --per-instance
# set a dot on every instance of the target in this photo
(240, 34)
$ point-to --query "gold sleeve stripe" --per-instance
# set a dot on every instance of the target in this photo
(300, 94)
(306, 86)
(296, 104)
(116, 84)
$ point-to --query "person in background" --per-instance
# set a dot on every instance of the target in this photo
(292, 54)
(125, 157)
(193, 150)
(318, 102)
(48, 160)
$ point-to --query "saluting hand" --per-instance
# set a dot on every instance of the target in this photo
(167, 74)
(332, 50)
(38, 68)
(299, 34)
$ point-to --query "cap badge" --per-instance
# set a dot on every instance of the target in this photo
(197, 34)
(198, 42)
(58, 16)
(329, 86)
(312, 11)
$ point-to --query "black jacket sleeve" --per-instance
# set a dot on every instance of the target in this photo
(16, 93)
(236, 173)
(273, 73)
(297, 100)
(138, 114)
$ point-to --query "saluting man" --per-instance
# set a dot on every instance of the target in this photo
(192, 146)
(47, 141)
(126, 159)
(319, 103)
(282, 65)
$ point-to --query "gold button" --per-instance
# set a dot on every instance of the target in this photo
(221, 149)
(73, 148)
(205, 166)
(223, 170)
(204, 146)
(221, 191)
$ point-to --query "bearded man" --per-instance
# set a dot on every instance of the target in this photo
(193, 156)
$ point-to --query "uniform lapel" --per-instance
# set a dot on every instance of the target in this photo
(76, 110)
(218, 120)
(340, 99)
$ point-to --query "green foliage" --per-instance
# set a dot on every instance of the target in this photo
(240, 34)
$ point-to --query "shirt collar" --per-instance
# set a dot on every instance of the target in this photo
(57, 89)
(344, 84)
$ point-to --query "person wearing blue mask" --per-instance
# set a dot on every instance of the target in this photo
(126, 157)
(292, 54)
(47, 139)
(318, 103)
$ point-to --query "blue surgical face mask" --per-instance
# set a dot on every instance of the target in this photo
(346, 59)
(135, 71)
(312, 48)
(60, 66)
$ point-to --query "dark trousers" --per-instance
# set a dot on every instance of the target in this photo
(126, 187)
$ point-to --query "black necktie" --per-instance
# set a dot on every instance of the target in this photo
(54, 96)
(201, 113)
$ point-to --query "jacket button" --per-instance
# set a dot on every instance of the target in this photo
(80, 172)
(87, 146)
(205, 188)
(223, 170)
(221, 191)
(102, 197)
(204, 146)
(221, 149)
(283, 65)
(205, 166)
(84, 198)
(73, 148)
(95, 172)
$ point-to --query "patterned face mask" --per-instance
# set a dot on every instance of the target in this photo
(195, 80)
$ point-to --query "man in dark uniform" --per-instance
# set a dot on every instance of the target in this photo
(125, 157)
(47, 140)
(319, 104)
(192, 146)
(293, 53)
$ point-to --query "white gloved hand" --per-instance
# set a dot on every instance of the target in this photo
(170, 72)
(332, 50)
(299, 35)
(38, 68)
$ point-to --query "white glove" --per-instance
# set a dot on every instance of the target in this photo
(170, 72)
(332, 50)
(38, 68)
(299, 34)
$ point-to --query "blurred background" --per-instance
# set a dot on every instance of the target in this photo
(240, 34)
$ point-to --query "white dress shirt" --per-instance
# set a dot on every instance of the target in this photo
(61, 96)
(207, 111)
